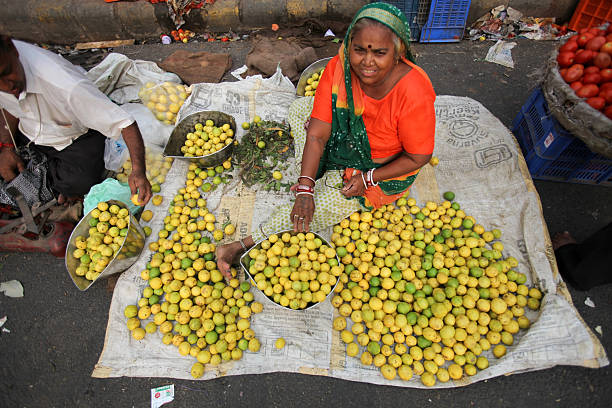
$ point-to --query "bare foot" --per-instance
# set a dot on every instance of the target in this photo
(226, 256)
(562, 238)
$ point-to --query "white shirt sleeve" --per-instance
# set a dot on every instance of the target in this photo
(96, 111)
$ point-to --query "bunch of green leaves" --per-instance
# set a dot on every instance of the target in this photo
(258, 163)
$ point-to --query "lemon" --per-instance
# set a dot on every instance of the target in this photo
(130, 311)
(280, 343)
(146, 215)
(138, 333)
(434, 161)
(229, 229)
(157, 200)
(277, 175)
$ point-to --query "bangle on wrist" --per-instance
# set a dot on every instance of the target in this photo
(370, 178)
(308, 178)
(365, 184)
(303, 188)
(299, 193)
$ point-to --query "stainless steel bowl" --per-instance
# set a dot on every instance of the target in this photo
(179, 135)
(307, 73)
(245, 260)
(125, 257)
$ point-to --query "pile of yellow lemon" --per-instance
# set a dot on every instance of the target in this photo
(427, 291)
(108, 227)
(187, 298)
(164, 100)
(158, 167)
(207, 138)
(312, 83)
(295, 270)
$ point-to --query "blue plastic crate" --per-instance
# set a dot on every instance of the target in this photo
(551, 152)
(446, 22)
(414, 11)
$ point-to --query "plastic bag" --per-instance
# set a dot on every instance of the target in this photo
(109, 189)
(115, 153)
(158, 167)
(153, 131)
(164, 99)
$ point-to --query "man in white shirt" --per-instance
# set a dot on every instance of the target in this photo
(50, 105)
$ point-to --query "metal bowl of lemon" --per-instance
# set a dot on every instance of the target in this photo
(294, 270)
(205, 138)
(106, 241)
(316, 67)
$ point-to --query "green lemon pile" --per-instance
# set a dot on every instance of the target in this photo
(207, 139)
(186, 298)
(295, 270)
(108, 227)
(427, 291)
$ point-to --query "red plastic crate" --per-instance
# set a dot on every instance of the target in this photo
(591, 13)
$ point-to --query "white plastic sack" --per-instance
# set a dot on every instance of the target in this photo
(121, 78)
(154, 132)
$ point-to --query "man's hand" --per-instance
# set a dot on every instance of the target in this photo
(139, 184)
(10, 164)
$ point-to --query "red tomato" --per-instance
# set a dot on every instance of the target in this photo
(565, 59)
(576, 85)
(606, 94)
(596, 102)
(573, 74)
(602, 60)
(596, 31)
(588, 91)
(609, 36)
(584, 38)
(584, 57)
(591, 79)
(607, 47)
(569, 46)
(606, 86)
(606, 75)
(595, 43)
(608, 112)
(591, 70)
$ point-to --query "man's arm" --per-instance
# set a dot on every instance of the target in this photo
(138, 180)
(10, 162)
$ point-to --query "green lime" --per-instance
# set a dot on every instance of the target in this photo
(449, 195)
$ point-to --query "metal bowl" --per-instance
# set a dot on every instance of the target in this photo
(179, 135)
(124, 258)
(245, 260)
(307, 73)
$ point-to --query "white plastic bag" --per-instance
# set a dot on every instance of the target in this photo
(115, 153)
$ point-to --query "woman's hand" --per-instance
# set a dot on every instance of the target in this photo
(354, 186)
(302, 212)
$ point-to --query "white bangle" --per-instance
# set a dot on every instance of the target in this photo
(309, 178)
(304, 192)
(371, 177)
(364, 182)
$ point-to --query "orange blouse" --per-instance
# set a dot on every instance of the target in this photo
(404, 119)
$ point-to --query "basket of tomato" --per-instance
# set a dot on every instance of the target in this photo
(578, 87)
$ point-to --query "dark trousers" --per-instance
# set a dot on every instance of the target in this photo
(73, 170)
(589, 263)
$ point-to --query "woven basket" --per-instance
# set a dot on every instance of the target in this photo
(574, 114)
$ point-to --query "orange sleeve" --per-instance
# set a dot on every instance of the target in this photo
(417, 127)
(322, 108)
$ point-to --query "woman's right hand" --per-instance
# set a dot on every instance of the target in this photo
(10, 164)
(302, 212)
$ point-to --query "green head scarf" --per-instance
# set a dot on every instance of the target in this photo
(348, 145)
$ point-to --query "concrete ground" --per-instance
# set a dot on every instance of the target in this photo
(57, 332)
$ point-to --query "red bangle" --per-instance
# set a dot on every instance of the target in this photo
(303, 188)
(9, 145)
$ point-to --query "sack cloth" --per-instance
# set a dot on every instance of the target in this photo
(267, 54)
(32, 182)
(197, 67)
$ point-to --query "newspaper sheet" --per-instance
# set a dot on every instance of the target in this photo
(479, 160)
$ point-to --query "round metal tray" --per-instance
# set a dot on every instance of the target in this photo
(125, 257)
(307, 73)
(179, 134)
(245, 259)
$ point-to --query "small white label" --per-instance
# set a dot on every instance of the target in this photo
(549, 139)
(162, 395)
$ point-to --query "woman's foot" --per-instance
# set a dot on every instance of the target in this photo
(226, 256)
(562, 238)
